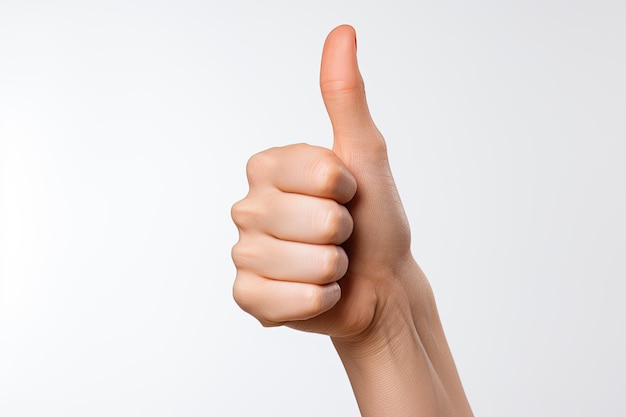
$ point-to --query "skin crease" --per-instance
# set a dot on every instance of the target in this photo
(325, 247)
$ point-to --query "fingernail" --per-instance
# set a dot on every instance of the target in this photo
(330, 295)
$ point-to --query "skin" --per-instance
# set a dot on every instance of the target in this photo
(325, 247)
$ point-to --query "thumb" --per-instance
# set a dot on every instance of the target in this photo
(376, 209)
(343, 92)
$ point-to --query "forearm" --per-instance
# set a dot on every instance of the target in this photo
(404, 367)
(324, 246)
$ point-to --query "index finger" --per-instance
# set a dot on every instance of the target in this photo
(302, 169)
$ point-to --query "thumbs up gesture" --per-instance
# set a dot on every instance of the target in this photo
(325, 247)
(323, 232)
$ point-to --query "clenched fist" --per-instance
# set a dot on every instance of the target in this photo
(325, 247)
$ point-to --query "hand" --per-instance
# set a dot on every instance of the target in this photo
(290, 267)
(325, 247)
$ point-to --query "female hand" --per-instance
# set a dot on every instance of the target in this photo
(325, 247)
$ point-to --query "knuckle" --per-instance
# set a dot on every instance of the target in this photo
(331, 264)
(337, 224)
(332, 223)
(269, 323)
(244, 213)
(242, 295)
(337, 89)
(300, 146)
(335, 264)
(257, 165)
(247, 297)
(234, 253)
(328, 174)
(242, 255)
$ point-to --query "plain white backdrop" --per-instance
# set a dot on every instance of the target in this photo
(125, 127)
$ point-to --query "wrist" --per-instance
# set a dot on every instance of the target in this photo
(401, 364)
(404, 301)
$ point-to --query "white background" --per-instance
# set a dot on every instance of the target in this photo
(124, 130)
